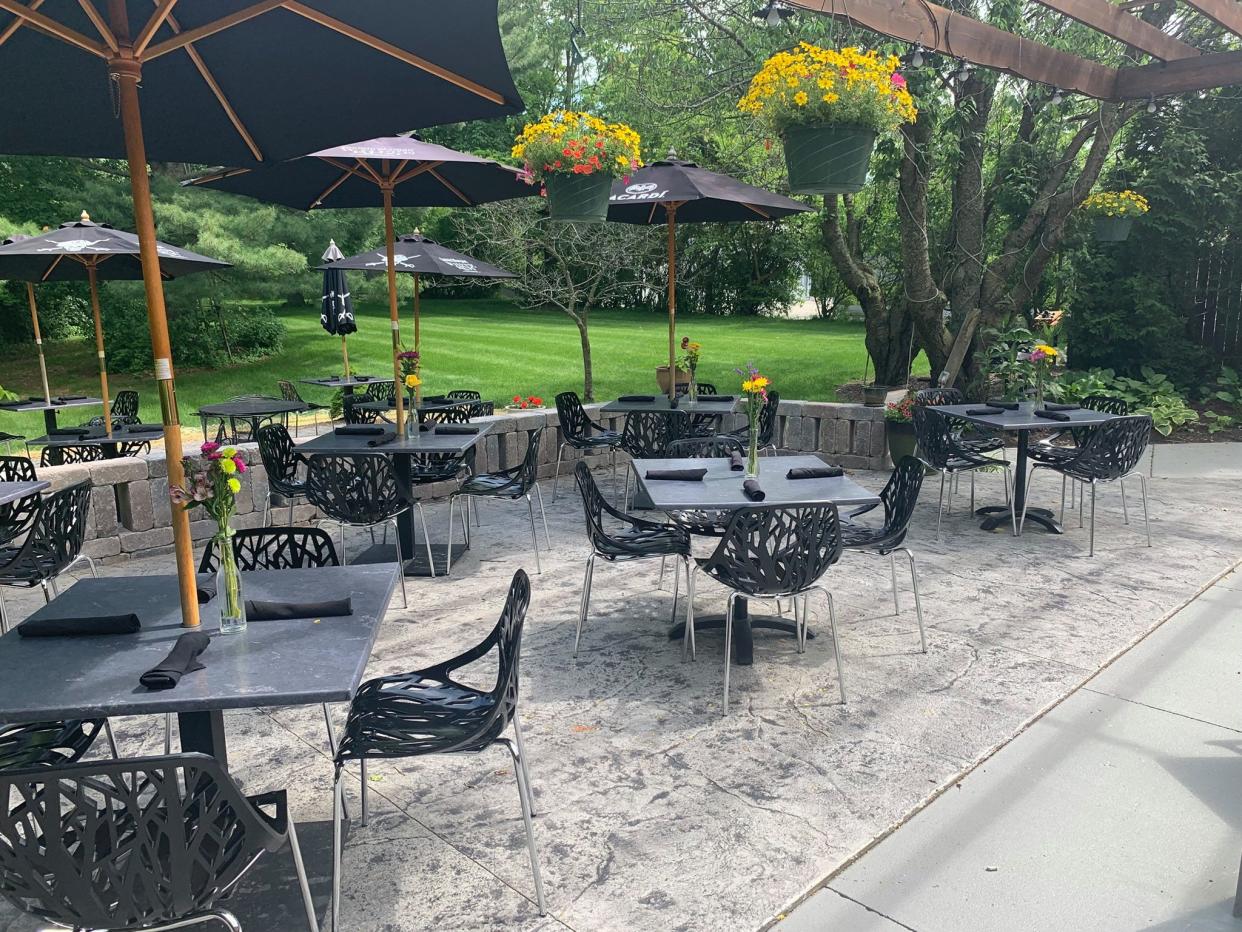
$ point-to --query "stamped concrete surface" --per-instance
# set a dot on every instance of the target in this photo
(658, 813)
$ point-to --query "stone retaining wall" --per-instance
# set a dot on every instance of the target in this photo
(130, 509)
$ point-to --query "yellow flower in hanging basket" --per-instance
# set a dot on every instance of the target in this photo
(1116, 204)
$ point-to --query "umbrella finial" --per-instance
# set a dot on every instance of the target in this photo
(85, 218)
(333, 252)
(672, 154)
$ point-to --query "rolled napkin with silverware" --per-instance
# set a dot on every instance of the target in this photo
(262, 610)
(182, 659)
(637, 398)
(205, 587)
(70, 397)
(456, 429)
(359, 430)
(82, 626)
(1052, 415)
(1007, 405)
(1057, 406)
(750, 488)
(362, 378)
(984, 412)
(144, 428)
(381, 440)
(677, 475)
(815, 472)
(736, 461)
(711, 398)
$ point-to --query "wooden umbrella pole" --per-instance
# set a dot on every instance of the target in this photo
(390, 251)
(418, 342)
(92, 276)
(127, 72)
(672, 302)
(34, 322)
(345, 355)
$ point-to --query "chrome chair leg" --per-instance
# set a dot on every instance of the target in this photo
(116, 754)
(431, 557)
(1146, 519)
(405, 602)
(892, 566)
(660, 584)
(1026, 500)
(1125, 511)
(524, 796)
(799, 613)
(972, 491)
(687, 641)
(307, 902)
(521, 746)
(338, 806)
(676, 586)
(1082, 495)
(940, 506)
(1091, 551)
(836, 644)
(327, 721)
(534, 534)
(1063, 479)
(267, 510)
(918, 602)
(4, 616)
(167, 733)
(556, 477)
(728, 647)
(366, 809)
(585, 601)
(448, 557)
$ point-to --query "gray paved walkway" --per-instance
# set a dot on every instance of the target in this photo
(1120, 809)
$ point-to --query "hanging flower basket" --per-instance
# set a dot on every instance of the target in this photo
(1113, 213)
(828, 105)
(1113, 229)
(576, 156)
(828, 159)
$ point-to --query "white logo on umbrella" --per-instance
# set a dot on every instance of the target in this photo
(462, 264)
(74, 245)
(397, 259)
(641, 188)
(167, 251)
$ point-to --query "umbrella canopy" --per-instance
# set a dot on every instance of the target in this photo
(415, 254)
(406, 171)
(672, 190)
(336, 313)
(86, 251)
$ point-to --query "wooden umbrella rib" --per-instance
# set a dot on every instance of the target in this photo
(53, 28)
(444, 181)
(51, 268)
(7, 32)
(100, 24)
(419, 169)
(163, 10)
(388, 48)
(345, 176)
(208, 29)
(764, 214)
(370, 170)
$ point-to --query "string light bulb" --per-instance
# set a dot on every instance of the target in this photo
(1151, 104)
(1057, 96)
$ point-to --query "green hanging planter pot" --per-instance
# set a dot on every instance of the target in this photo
(578, 198)
(828, 159)
(1113, 229)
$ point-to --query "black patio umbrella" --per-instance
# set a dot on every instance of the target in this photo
(416, 255)
(86, 251)
(232, 81)
(672, 190)
(34, 324)
(336, 308)
(407, 171)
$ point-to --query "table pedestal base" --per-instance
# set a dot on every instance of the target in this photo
(998, 517)
(743, 630)
(416, 562)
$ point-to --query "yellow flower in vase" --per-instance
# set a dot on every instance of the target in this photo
(412, 381)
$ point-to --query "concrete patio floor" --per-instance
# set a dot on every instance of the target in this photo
(657, 813)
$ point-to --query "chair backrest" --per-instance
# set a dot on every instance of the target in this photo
(934, 434)
(65, 453)
(479, 408)
(507, 637)
(719, 445)
(939, 396)
(354, 415)
(457, 414)
(133, 447)
(1113, 449)
(900, 495)
(275, 548)
(17, 469)
(528, 474)
(463, 394)
(767, 420)
(57, 531)
(596, 507)
(380, 391)
(15, 517)
(125, 844)
(647, 434)
(46, 744)
(1107, 404)
(356, 488)
(280, 459)
(288, 390)
(125, 406)
(705, 388)
(776, 550)
(575, 424)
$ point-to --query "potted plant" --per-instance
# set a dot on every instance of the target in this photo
(524, 403)
(576, 156)
(682, 376)
(828, 105)
(899, 428)
(1113, 213)
(875, 395)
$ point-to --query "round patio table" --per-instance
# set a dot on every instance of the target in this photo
(250, 411)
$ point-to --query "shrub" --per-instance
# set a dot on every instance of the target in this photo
(202, 335)
(1153, 394)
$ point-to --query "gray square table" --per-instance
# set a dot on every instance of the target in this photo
(1021, 423)
(272, 663)
(346, 385)
(50, 410)
(721, 490)
(113, 446)
(404, 453)
(16, 491)
(705, 405)
(250, 410)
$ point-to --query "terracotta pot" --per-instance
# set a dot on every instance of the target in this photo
(683, 378)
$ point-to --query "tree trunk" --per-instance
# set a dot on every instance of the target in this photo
(924, 301)
(588, 382)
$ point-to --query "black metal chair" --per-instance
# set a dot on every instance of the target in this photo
(289, 392)
(1111, 454)
(969, 435)
(275, 548)
(767, 426)
(463, 394)
(7, 439)
(50, 744)
(455, 414)
(479, 408)
(1052, 449)
(359, 490)
(145, 843)
(429, 712)
(15, 516)
(699, 522)
(636, 540)
(514, 483)
(704, 425)
(772, 553)
(581, 433)
(940, 449)
(51, 547)
(647, 435)
(65, 454)
(124, 410)
(282, 462)
(900, 495)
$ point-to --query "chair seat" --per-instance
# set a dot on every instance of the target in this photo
(489, 483)
(981, 444)
(703, 522)
(413, 714)
(45, 563)
(861, 537)
(1048, 453)
(601, 438)
(645, 542)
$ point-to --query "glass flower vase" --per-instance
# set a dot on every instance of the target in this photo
(752, 451)
(693, 390)
(229, 585)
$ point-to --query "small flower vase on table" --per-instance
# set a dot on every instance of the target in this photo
(229, 584)
(755, 388)
(689, 361)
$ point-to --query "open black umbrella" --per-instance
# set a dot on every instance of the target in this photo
(86, 251)
(408, 172)
(336, 309)
(231, 81)
(419, 256)
(672, 190)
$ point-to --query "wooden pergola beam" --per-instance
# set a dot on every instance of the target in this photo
(1112, 21)
(1161, 79)
(1226, 13)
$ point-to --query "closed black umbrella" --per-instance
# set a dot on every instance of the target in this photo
(232, 81)
(86, 251)
(416, 255)
(336, 309)
(672, 190)
(407, 171)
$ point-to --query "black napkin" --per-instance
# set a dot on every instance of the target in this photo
(19, 403)
(70, 397)
(435, 399)
(984, 411)
(456, 429)
(69, 432)
(259, 610)
(78, 627)
(736, 461)
(182, 659)
(750, 488)
(381, 440)
(362, 378)
(1053, 415)
(359, 430)
(674, 401)
(637, 398)
(1057, 406)
(206, 588)
(144, 428)
(677, 475)
(1007, 405)
(711, 398)
(815, 472)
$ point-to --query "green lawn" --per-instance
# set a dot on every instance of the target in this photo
(487, 345)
